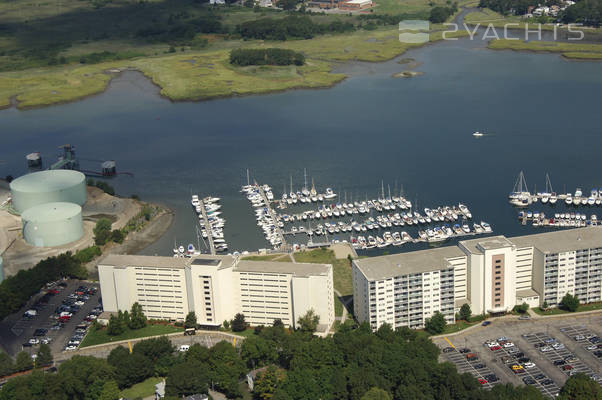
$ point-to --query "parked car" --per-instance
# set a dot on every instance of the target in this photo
(540, 377)
(508, 344)
(70, 347)
(464, 350)
(547, 382)
(472, 357)
(579, 337)
(482, 381)
(592, 347)
(479, 366)
(528, 380)
(40, 332)
(529, 365)
(524, 317)
(545, 349)
(494, 348)
(567, 367)
(492, 378)
(34, 341)
(448, 349)
(486, 323)
(559, 362)
(184, 348)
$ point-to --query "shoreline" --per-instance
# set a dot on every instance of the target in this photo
(334, 66)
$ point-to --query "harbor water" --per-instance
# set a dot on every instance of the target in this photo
(539, 113)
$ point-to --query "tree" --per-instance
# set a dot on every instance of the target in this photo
(309, 322)
(102, 231)
(6, 364)
(137, 317)
(117, 236)
(44, 356)
(238, 323)
(570, 302)
(545, 305)
(226, 324)
(110, 391)
(465, 312)
(436, 324)
(23, 362)
(521, 308)
(267, 382)
(190, 320)
(115, 326)
(278, 323)
(186, 379)
(376, 394)
(580, 386)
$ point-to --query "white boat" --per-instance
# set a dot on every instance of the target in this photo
(486, 227)
(329, 194)
(568, 200)
(477, 134)
(520, 195)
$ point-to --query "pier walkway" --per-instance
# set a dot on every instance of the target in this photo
(273, 215)
(208, 228)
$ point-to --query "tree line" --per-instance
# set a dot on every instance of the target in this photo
(290, 27)
(271, 56)
(354, 364)
(587, 12)
(440, 14)
(16, 290)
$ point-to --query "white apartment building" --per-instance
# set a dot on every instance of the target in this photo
(218, 287)
(492, 274)
(404, 289)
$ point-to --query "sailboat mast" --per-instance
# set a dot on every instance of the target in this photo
(248, 178)
(305, 178)
(382, 189)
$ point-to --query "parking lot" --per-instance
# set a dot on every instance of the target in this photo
(20, 332)
(514, 328)
(557, 353)
(588, 339)
(475, 367)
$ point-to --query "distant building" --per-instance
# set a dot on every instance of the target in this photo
(353, 5)
(491, 274)
(218, 287)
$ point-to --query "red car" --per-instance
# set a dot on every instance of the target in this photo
(494, 348)
(64, 318)
(482, 381)
(53, 291)
(567, 367)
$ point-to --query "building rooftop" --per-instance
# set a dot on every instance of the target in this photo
(563, 240)
(477, 246)
(526, 293)
(118, 260)
(384, 267)
(297, 269)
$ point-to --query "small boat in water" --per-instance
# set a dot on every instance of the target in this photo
(477, 134)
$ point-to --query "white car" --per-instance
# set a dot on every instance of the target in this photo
(184, 348)
(34, 341)
(558, 346)
(592, 347)
(79, 303)
(579, 337)
(46, 340)
(502, 339)
(545, 349)
(529, 365)
(491, 344)
(69, 348)
(509, 344)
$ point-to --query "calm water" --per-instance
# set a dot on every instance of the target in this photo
(542, 114)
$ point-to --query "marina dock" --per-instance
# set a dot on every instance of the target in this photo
(272, 214)
(205, 221)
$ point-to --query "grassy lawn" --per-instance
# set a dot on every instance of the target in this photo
(142, 389)
(556, 310)
(269, 257)
(341, 268)
(246, 333)
(95, 337)
(458, 326)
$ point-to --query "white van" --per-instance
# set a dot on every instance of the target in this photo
(184, 347)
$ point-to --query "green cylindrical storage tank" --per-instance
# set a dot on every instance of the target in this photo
(42, 187)
(52, 224)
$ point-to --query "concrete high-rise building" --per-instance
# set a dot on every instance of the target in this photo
(218, 287)
(491, 274)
